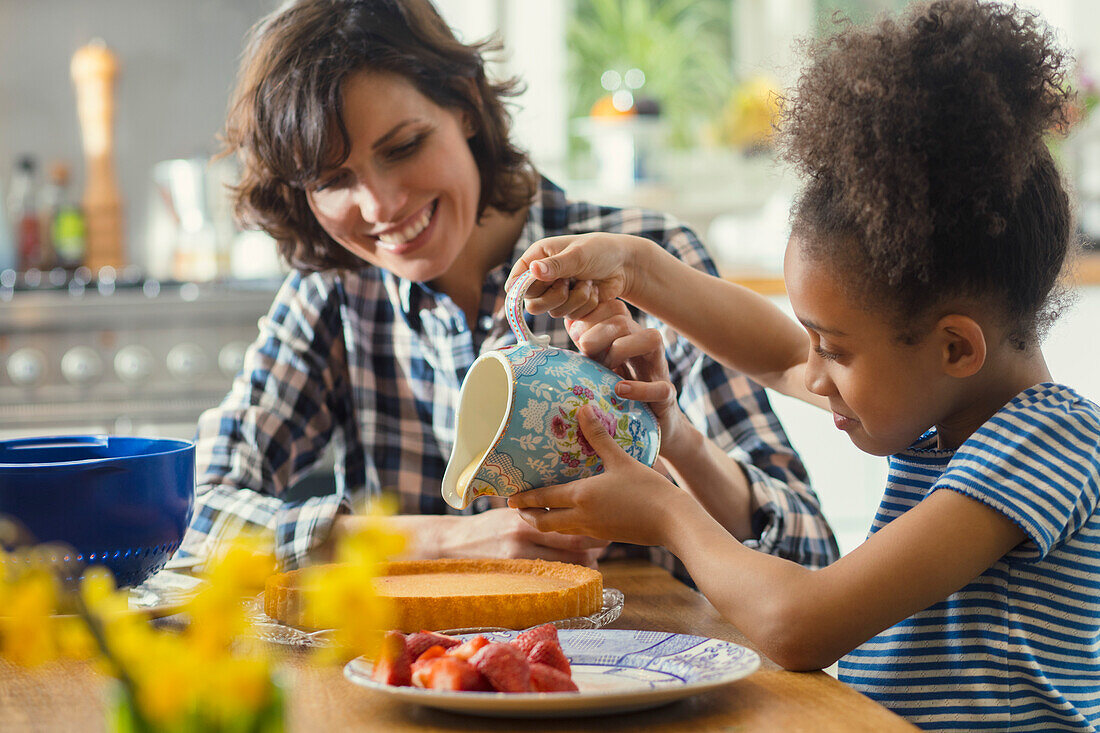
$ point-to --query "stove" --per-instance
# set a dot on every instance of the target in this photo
(119, 353)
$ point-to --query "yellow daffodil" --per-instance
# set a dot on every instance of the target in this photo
(99, 593)
(202, 678)
(342, 596)
(217, 612)
(375, 542)
(243, 565)
(166, 691)
(236, 688)
(26, 626)
(73, 639)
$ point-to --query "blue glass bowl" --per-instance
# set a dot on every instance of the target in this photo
(122, 502)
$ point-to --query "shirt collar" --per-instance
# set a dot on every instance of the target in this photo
(547, 212)
(405, 291)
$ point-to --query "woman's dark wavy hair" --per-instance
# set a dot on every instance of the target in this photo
(928, 175)
(285, 116)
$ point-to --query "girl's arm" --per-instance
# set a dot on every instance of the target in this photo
(717, 482)
(805, 619)
(799, 618)
(736, 326)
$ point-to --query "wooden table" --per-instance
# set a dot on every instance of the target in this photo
(68, 696)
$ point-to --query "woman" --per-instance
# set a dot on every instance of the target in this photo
(376, 152)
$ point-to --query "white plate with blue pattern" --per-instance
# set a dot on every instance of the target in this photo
(615, 671)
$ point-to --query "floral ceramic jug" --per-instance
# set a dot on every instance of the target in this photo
(517, 416)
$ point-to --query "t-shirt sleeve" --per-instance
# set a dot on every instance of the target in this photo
(1038, 466)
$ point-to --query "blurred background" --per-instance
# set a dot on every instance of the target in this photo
(128, 294)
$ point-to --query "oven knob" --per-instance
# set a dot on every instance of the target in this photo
(26, 366)
(81, 365)
(133, 363)
(186, 361)
(231, 358)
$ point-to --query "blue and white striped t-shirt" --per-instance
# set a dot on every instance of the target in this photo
(1019, 647)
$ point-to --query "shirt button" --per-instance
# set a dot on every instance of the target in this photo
(486, 323)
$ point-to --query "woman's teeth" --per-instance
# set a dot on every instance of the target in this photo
(411, 230)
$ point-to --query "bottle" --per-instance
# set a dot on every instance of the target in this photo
(48, 198)
(24, 215)
(65, 227)
(7, 242)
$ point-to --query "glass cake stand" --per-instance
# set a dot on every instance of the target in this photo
(266, 628)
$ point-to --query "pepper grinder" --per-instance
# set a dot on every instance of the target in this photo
(94, 69)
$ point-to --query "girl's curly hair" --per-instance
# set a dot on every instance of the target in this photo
(285, 117)
(928, 176)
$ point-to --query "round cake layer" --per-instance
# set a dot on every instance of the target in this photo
(442, 584)
(452, 594)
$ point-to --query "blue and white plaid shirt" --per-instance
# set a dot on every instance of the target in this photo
(373, 365)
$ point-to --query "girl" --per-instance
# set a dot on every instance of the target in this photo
(923, 266)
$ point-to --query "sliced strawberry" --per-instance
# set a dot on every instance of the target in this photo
(527, 639)
(430, 653)
(468, 648)
(393, 666)
(421, 640)
(549, 653)
(424, 660)
(545, 678)
(448, 673)
(504, 666)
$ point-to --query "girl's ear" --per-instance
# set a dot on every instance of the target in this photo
(963, 345)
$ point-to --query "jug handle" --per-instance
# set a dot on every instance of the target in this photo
(513, 307)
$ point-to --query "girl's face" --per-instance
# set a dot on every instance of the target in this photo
(882, 392)
(406, 197)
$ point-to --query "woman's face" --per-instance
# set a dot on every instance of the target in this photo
(883, 393)
(406, 197)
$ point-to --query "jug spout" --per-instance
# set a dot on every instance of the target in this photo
(456, 493)
(483, 408)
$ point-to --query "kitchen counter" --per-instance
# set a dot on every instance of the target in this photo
(767, 282)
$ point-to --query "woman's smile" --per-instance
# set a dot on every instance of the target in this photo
(411, 233)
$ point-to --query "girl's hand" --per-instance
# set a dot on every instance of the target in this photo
(628, 502)
(609, 335)
(579, 272)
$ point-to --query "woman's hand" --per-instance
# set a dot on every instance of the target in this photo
(499, 532)
(577, 273)
(612, 337)
(628, 502)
